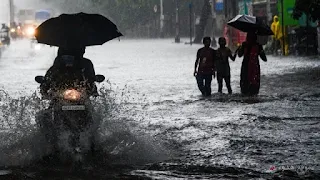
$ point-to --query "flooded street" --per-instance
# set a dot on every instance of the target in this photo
(155, 123)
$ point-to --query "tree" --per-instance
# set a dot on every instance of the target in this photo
(205, 14)
(309, 7)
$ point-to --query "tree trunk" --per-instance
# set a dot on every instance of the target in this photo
(205, 14)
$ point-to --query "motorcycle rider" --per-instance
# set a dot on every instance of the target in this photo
(5, 34)
(4, 28)
(69, 68)
(13, 30)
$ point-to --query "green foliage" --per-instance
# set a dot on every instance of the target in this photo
(309, 7)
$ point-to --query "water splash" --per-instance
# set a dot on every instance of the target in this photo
(122, 140)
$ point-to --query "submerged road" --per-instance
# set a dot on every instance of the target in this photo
(156, 124)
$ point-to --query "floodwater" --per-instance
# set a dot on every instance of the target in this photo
(155, 124)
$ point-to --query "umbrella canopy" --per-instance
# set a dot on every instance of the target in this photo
(247, 23)
(77, 30)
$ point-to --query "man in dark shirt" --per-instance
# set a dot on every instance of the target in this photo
(204, 67)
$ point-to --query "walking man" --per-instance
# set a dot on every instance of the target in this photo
(204, 67)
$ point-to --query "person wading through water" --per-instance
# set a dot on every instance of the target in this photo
(250, 69)
(204, 67)
(222, 65)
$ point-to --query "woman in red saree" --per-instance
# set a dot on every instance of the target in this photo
(250, 69)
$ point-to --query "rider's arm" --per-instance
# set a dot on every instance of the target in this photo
(91, 75)
(45, 86)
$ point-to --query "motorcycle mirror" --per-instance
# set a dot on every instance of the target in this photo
(39, 79)
(100, 78)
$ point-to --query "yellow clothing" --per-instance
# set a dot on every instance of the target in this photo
(278, 34)
(275, 26)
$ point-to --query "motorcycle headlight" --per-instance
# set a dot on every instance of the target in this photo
(13, 30)
(72, 95)
(30, 31)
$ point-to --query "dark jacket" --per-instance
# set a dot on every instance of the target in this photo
(60, 76)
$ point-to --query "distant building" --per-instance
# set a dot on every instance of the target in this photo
(260, 9)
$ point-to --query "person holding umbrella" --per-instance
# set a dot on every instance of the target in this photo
(250, 50)
(72, 33)
(70, 66)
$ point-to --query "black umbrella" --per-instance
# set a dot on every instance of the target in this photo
(77, 30)
(247, 23)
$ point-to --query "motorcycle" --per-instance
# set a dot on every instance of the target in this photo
(70, 128)
(14, 33)
(28, 31)
(5, 39)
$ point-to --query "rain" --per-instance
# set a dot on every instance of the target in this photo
(150, 119)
